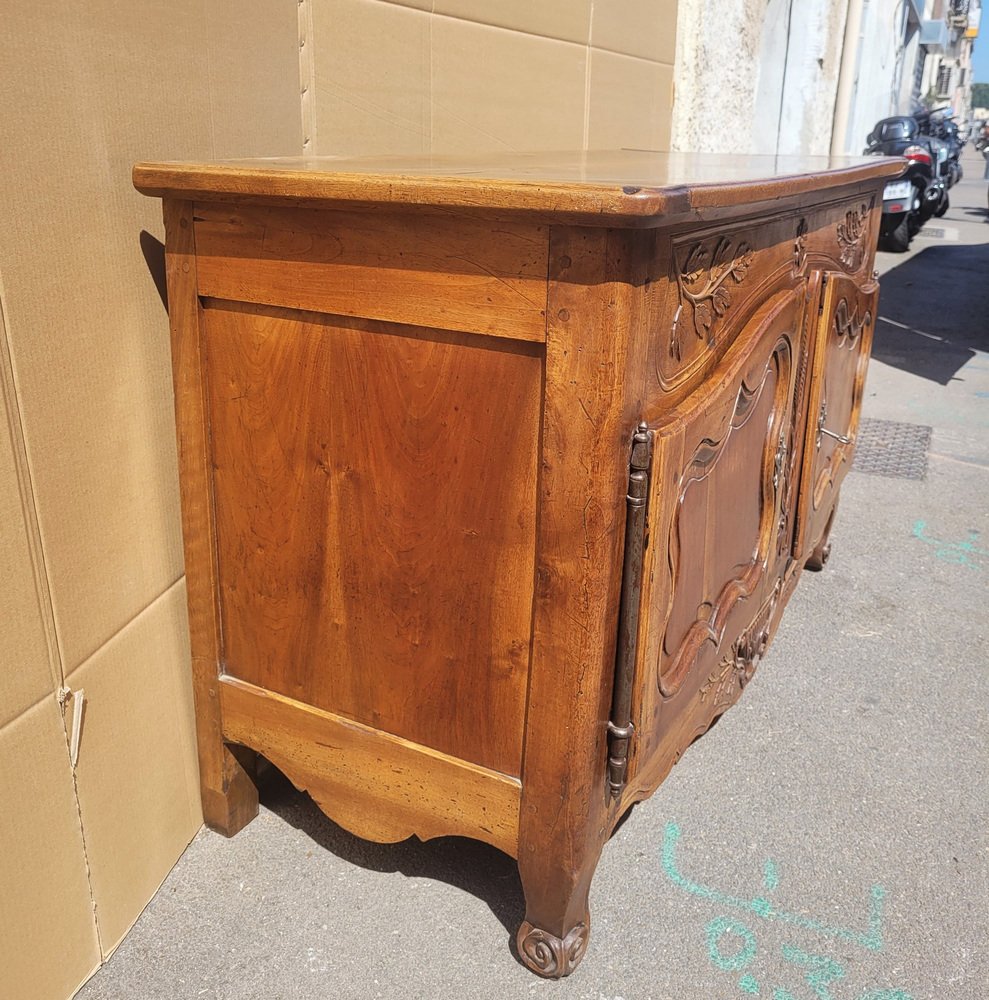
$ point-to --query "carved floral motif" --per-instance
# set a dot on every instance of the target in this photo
(547, 954)
(704, 280)
(781, 484)
(851, 236)
(738, 664)
(800, 247)
(851, 324)
(733, 669)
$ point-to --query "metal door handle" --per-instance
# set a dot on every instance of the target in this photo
(822, 430)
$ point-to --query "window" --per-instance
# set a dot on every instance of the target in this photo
(943, 86)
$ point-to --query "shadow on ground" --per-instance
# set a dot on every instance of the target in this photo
(934, 311)
(476, 868)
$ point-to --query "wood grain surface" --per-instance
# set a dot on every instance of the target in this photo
(439, 271)
(377, 786)
(406, 393)
(587, 429)
(841, 357)
(375, 518)
(596, 188)
(229, 795)
(723, 514)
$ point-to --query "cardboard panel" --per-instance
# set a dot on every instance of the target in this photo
(26, 672)
(254, 78)
(372, 78)
(630, 103)
(644, 28)
(496, 90)
(567, 20)
(426, 5)
(137, 773)
(48, 943)
(87, 329)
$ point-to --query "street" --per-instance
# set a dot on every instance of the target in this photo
(827, 839)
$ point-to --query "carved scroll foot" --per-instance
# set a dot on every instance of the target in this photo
(547, 955)
(819, 557)
(817, 560)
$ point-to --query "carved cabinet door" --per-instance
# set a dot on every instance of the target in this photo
(842, 343)
(720, 530)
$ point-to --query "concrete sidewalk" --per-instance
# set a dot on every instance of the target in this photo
(850, 785)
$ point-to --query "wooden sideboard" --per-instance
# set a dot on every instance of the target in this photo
(497, 475)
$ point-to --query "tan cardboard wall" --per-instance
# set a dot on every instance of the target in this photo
(477, 76)
(90, 547)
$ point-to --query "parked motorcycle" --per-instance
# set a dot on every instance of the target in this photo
(982, 139)
(922, 191)
(941, 127)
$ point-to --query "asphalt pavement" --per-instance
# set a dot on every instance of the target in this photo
(827, 840)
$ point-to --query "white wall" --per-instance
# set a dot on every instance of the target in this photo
(757, 76)
(882, 62)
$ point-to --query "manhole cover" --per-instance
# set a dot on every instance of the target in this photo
(889, 448)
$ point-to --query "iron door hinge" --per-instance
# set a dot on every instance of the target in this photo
(620, 726)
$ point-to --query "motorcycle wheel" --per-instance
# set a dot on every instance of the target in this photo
(942, 207)
(898, 240)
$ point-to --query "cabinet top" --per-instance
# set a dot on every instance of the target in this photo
(621, 187)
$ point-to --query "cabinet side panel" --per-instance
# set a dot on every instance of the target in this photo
(375, 512)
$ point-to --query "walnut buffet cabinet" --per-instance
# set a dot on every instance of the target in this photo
(497, 475)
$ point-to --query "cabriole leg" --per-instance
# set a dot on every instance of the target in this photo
(822, 552)
(553, 937)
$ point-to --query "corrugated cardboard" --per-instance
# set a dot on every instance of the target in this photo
(459, 76)
(566, 20)
(614, 121)
(540, 83)
(138, 700)
(23, 635)
(371, 77)
(643, 28)
(48, 940)
(90, 547)
(100, 792)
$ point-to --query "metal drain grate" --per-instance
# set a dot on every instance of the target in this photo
(889, 448)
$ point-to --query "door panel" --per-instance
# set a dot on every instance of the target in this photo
(724, 454)
(720, 533)
(841, 356)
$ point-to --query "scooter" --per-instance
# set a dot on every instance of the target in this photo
(945, 141)
(921, 192)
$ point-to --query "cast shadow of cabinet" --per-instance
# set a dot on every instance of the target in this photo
(470, 865)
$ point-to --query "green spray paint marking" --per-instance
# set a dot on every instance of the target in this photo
(822, 970)
(873, 939)
(956, 553)
(730, 963)
(748, 984)
(770, 875)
